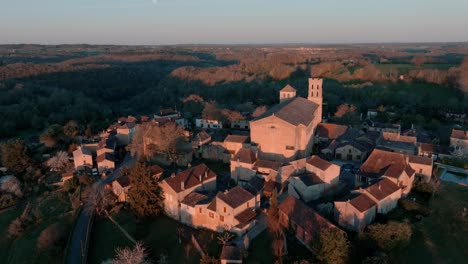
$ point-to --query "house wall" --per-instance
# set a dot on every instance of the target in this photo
(232, 147)
(83, 161)
(104, 150)
(105, 165)
(205, 123)
(349, 152)
(241, 171)
(120, 192)
(327, 175)
(424, 172)
(388, 203)
(460, 146)
(350, 218)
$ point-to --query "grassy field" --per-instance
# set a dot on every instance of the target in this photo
(443, 236)
(48, 210)
(159, 235)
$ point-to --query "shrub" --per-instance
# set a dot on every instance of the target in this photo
(390, 235)
(51, 237)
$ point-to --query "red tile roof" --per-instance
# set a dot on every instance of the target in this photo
(235, 196)
(304, 216)
(381, 162)
(194, 198)
(420, 160)
(274, 165)
(382, 189)
(459, 134)
(390, 136)
(155, 170)
(245, 216)
(190, 178)
(331, 131)
(362, 202)
(245, 155)
(236, 138)
(124, 181)
(319, 163)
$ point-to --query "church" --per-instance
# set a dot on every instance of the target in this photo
(286, 131)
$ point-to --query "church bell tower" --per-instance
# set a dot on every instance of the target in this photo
(316, 94)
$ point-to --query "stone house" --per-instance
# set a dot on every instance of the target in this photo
(396, 142)
(105, 161)
(355, 211)
(201, 139)
(242, 165)
(459, 142)
(327, 132)
(233, 143)
(82, 158)
(285, 132)
(120, 188)
(125, 133)
(231, 254)
(208, 123)
(423, 167)
(385, 193)
(318, 177)
(176, 187)
(232, 210)
(354, 150)
(392, 165)
(305, 222)
(433, 151)
(374, 126)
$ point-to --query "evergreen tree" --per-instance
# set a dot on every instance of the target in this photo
(145, 195)
(15, 156)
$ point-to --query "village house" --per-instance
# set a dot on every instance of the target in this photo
(355, 211)
(233, 143)
(82, 158)
(176, 187)
(306, 223)
(423, 167)
(328, 132)
(208, 123)
(240, 124)
(392, 165)
(459, 142)
(385, 193)
(173, 115)
(125, 133)
(433, 151)
(200, 139)
(285, 132)
(120, 188)
(156, 172)
(370, 125)
(319, 177)
(242, 165)
(231, 254)
(106, 145)
(356, 150)
(105, 162)
(232, 210)
(396, 142)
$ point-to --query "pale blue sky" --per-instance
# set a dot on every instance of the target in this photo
(232, 21)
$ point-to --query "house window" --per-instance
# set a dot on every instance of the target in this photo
(420, 170)
(290, 147)
(200, 210)
(211, 215)
(248, 204)
(349, 151)
(224, 209)
(221, 218)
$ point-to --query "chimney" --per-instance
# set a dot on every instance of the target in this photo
(200, 177)
(182, 185)
(206, 174)
(378, 184)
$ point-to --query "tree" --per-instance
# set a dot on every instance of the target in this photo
(135, 255)
(463, 79)
(59, 161)
(15, 156)
(54, 235)
(71, 129)
(333, 246)
(52, 136)
(225, 237)
(144, 196)
(418, 60)
(259, 111)
(274, 227)
(390, 235)
(167, 139)
(212, 111)
(13, 186)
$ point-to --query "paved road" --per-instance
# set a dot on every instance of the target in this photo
(78, 248)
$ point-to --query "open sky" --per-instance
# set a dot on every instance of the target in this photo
(153, 22)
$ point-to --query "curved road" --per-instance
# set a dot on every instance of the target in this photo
(79, 242)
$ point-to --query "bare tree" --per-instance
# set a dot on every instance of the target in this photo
(463, 81)
(259, 111)
(58, 162)
(135, 255)
(225, 237)
(12, 185)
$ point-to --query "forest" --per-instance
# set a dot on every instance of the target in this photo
(93, 85)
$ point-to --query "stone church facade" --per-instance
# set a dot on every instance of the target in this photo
(285, 132)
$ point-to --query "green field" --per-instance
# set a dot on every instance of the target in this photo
(443, 236)
(159, 235)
